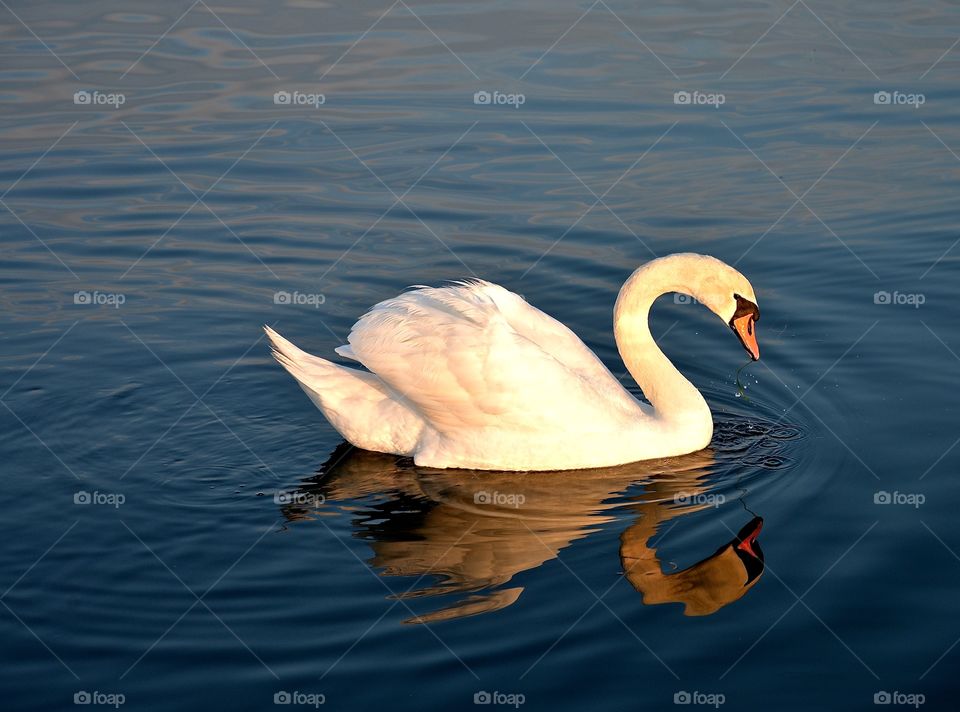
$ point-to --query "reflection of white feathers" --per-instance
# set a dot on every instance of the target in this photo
(470, 375)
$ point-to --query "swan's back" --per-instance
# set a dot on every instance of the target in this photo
(474, 357)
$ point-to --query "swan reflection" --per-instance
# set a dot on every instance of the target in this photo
(470, 533)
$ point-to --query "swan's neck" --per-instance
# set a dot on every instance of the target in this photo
(675, 400)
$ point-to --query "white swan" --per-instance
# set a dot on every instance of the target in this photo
(472, 376)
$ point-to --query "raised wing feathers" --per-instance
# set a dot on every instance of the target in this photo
(474, 355)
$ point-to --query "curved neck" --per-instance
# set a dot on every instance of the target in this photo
(673, 397)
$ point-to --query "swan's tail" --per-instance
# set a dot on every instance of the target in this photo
(307, 369)
(356, 403)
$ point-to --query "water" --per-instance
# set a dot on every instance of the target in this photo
(371, 581)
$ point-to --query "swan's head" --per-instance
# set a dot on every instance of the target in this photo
(715, 284)
(729, 295)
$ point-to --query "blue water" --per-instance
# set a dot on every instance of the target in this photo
(233, 551)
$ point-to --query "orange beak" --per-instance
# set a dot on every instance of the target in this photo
(745, 327)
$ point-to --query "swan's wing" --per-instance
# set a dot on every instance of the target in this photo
(545, 331)
(467, 356)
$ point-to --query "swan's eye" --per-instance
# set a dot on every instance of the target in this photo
(745, 307)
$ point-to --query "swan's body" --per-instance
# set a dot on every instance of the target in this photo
(472, 376)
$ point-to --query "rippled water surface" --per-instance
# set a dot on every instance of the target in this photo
(170, 181)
